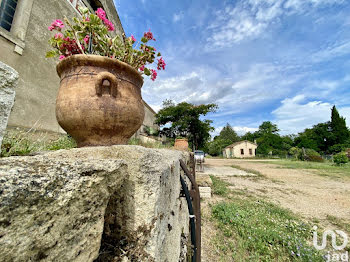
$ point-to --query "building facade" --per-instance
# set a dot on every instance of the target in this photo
(24, 39)
(241, 149)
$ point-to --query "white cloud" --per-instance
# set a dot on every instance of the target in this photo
(331, 52)
(295, 114)
(216, 131)
(250, 19)
(241, 130)
(259, 85)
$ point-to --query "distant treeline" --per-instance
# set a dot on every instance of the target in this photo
(324, 138)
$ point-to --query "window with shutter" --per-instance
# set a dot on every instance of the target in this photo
(7, 12)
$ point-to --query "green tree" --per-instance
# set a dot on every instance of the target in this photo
(270, 141)
(338, 127)
(268, 128)
(227, 133)
(226, 137)
(250, 136)
(318, 138)
(216, 146)
(326, 138)
(183, 120)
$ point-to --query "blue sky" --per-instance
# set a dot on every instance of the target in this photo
(285, 61)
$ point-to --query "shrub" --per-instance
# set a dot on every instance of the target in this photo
(295, 151)
(337, 148)
(310, 155)
(340, 159)
(315, 159)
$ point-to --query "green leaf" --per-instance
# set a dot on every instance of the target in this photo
(144, 40)
(147, 72)
(51, 53)
(159, 54)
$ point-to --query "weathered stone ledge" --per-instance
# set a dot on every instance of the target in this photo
(58, 206)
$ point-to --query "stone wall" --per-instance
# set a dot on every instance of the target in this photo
(24, 49)
(8, 83)
(98, 203)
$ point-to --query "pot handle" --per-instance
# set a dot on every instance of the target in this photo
(112, 88)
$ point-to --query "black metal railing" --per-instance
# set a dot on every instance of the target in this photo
(193, 202)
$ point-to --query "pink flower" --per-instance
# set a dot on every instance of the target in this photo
(133, 38)
(87, 19)
(57, 24)
(86, 39)
(153, 74)
(149, 35)
(142, 68)
(108, 24)
(101, 13)
(161, 64)
(58, 35)
(61, 57)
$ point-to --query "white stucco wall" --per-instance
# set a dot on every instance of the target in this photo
(249, 149)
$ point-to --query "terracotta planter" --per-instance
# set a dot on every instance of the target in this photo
(99, 101)
(181, 143)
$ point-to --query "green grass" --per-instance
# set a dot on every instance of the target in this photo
(220, 187)
(138, 142)
(252, 171)
(250, 229)
(21, 143)
(340, 224)
(326, 168)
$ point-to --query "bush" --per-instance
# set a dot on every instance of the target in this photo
(310, 155)
(337, 148)
(315, 159)
(340, 159)
(295, 151)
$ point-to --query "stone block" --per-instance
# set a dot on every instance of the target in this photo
(84, 203)
(203, 180)
(205, 192)
(8, 82)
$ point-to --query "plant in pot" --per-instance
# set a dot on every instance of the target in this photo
(99, 100)
(181, 143)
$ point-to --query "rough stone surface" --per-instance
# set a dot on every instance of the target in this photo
(205, 192)
(54, 207)
(203, 180)
(8, 82)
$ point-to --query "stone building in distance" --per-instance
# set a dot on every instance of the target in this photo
(241, 149)
(24, 39)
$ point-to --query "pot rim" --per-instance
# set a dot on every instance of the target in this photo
(94, 60)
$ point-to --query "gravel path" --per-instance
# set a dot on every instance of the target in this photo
(302, 191)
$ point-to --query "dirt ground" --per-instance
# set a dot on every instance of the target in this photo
(303, 192)
(312, 196)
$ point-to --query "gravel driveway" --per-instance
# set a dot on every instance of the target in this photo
(302, 191)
